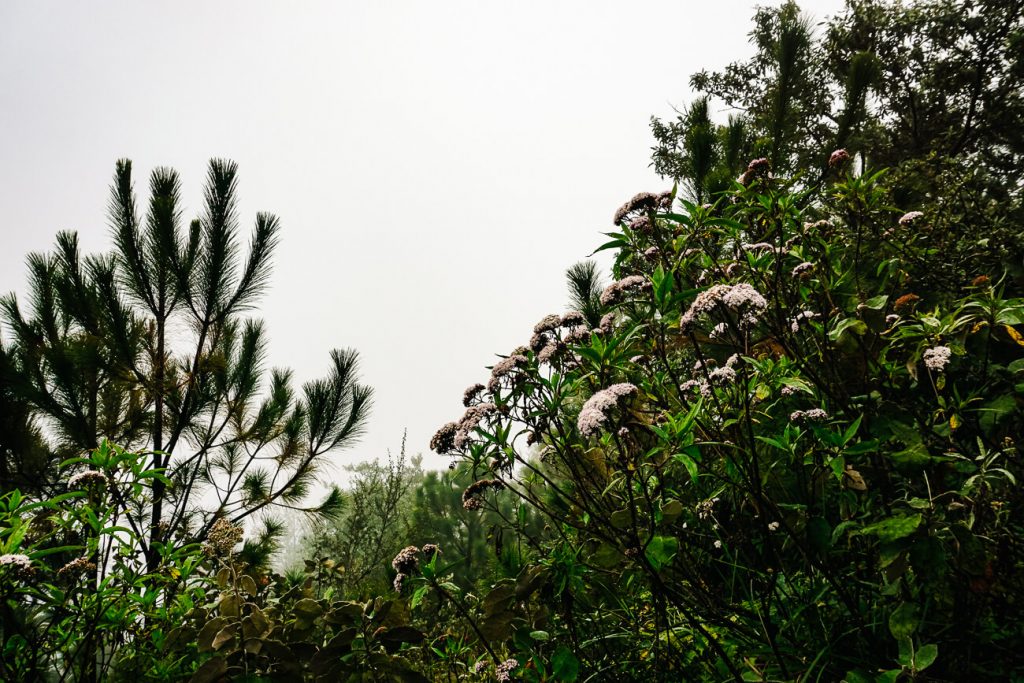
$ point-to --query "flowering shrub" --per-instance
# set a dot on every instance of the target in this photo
(782, 454)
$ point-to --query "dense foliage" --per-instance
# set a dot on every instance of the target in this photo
(778, 456)
(782, 443)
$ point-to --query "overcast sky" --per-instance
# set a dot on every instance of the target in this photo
(435, 165)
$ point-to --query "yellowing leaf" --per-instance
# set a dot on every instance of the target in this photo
(954, 422)
(978, 326)
(1014, 334)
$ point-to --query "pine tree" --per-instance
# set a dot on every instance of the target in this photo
(150, 347)
(25, 457)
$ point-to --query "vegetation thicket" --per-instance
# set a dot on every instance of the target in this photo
(781, 443)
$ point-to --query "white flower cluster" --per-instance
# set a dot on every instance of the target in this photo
(505, 368)
(740, 299)
(595, 412)
(812, 415)
(617, 291)
(547, 323)
(87, 478)
(503, 672)
(802, 316)
(937, 358)
(469, 422)
(716, 377)
(758, 246)
(706, 508)
(471, 394)
(909, 218)
(20, 564)
(803, 270)
(642, 202)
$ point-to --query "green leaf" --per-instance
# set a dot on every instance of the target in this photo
(248, 584)
(307, 608)
(402, 634)
(863, 447)
(851, 430)
(971, 556)
(417, 597)
(856, 677)
(671, 510)
(205, 638)
(928, 557)
(660, 551)
(925, 657)
(613, 244)
(564, 665)
(52, 551)
(230, 605)
(224, 636)
(689, 463)
(912, 459)
(996, 411)
(621, 519)
(894, 528)
(606, 556)
(906, 652)
(540, 635)
(903, 621)
(845, 325)
(876, 303)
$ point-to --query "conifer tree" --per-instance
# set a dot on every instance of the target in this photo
(150, 347)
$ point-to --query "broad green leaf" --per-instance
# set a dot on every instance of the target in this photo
(671, 510)
(876, 303)
(621, 519)
(689, 463)
(903, 621)
(564, 665)
(418, 595)
(925, 656)
(660, 551)
(894, 528)
(852, 325)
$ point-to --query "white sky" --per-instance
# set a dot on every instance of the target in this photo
(436, 165)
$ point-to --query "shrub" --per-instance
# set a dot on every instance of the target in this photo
(76, 602)
(778, 456)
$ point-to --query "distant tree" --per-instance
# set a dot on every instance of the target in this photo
(915, 87)
(370, 529)
(149, 347)
(781, 98)
(478, 545)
